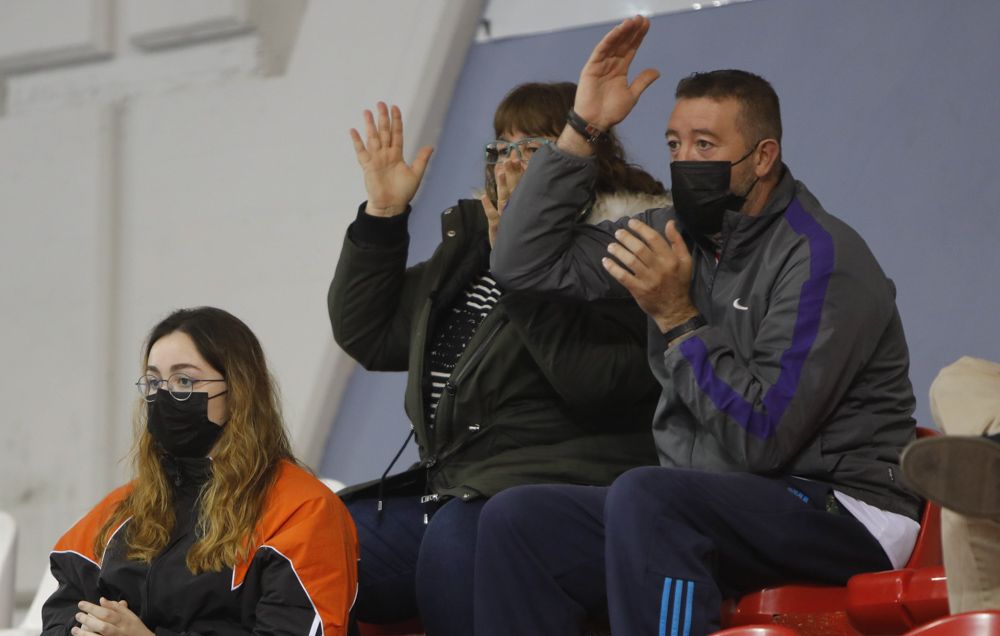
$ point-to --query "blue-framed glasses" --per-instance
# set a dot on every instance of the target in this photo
(499, 150)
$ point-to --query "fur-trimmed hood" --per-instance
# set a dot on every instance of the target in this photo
(615, 205)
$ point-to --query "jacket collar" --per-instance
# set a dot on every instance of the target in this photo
(464, 251)
(740, 229)
(466, 217)
(783, 194)
(187, 475)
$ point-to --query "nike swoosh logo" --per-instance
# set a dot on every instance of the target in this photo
(737, 305)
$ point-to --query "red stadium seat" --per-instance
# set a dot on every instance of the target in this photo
(881, 602)
(968, 624)
(897, 601)
(757, 630)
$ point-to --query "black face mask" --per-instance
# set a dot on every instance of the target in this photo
(182, 429)
(701, 193)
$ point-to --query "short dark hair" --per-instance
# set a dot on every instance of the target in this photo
(760, 112)
(539, 108)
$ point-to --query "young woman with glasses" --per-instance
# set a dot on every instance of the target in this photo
(503, 388)
(220, 531)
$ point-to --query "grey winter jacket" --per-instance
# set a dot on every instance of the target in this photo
(802, 368)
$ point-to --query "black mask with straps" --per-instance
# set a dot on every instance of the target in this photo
(182, 429)
(701, 193)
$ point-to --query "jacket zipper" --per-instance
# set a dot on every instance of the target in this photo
(715, 271)
(455, 382)
(451, 386)
(149, 573)
(430, 499)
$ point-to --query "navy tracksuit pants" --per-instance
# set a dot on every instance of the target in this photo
(409, 568)
(658, 550)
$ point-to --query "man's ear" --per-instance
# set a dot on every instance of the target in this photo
(767, 157)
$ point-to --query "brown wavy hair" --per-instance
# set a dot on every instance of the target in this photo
(245, 459)
(539, 109)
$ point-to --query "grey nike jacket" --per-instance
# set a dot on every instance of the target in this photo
(803, 366)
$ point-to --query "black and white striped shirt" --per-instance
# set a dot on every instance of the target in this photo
(453, 333)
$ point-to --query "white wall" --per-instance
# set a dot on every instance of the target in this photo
(54, 271)
(135, 179)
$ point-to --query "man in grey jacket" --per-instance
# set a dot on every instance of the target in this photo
(775, 336)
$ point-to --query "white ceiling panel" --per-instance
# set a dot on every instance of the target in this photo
(513, 18)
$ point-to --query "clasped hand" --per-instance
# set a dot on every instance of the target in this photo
(110, 618)
(507, 174)
(657, 271)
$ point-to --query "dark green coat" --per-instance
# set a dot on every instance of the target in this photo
(545, 392)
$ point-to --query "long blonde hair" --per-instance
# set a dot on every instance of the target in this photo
(245, 459)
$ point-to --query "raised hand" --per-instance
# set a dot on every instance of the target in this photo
(390, 181)
(604, 96)
(657, 271)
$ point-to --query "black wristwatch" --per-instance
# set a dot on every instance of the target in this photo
(685, 327)
(588, 131)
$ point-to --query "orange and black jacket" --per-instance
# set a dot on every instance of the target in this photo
(300, 578)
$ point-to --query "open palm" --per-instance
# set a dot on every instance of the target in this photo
(389, 180)
(604, 96)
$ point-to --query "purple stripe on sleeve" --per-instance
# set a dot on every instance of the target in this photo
(807, 320)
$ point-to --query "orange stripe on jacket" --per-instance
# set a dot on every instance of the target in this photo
(80, 538)
(307, 523)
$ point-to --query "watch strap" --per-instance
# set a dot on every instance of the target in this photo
(684, 328)
(588, 131)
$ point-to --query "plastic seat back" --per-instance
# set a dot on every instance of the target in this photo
(757, 630)
(968, 624)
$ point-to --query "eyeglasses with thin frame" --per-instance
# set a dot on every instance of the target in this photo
(179, 385)
(499, 150)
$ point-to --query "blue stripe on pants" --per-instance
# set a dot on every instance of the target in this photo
(665, 605)
(675, 614)
(675, 622)
(687, 609)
